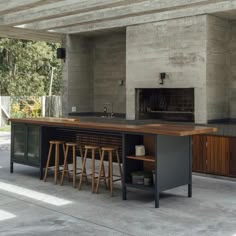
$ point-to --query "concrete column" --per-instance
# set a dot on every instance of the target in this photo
(78, 75)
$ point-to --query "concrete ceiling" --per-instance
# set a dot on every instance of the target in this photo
(51, 19)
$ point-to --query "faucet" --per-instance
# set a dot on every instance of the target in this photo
(105, 110)
(111, 114)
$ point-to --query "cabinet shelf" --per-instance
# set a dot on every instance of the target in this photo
(150, 188)
(142, 158)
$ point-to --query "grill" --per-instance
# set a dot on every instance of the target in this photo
(167, 104)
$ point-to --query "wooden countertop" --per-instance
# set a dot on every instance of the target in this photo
(165, 129)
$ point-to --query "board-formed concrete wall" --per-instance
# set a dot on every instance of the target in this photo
(232, 89)
(218, 68)
(177, 47)
(221, 68)
(93, 68)
(195, 52)
(109, 70)
(78, 75)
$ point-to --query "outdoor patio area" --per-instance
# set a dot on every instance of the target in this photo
(29, 206)
(118, 118)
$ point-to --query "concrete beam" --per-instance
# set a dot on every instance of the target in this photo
(115, 12)
(58, 9)
(148, 18)
(7, 6)
(27, 34)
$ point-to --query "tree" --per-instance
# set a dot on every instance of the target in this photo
(25, 68)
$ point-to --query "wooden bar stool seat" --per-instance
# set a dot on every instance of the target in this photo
(110, 151)
(73, 146)
(57, 144)
(92, 149)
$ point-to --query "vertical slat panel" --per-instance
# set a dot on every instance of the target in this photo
(89, 138)
(232, 157)
(149, 143)
(210, 154)
(199, 153)
(217, 155)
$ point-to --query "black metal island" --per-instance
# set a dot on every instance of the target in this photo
(169, 147)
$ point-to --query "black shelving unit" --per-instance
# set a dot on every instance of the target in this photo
(172, 162)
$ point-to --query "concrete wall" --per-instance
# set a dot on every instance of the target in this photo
(92, 71)
(218, 68)
(177, 47)
(78, 75)
(232, 89)
(196, 52)
(109, 68)
(221, 68)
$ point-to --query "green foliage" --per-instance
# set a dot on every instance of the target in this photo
(25, 107)
(25, 68)
(5, 128)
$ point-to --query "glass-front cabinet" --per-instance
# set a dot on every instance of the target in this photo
(26, 144)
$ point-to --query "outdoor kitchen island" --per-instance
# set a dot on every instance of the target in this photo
(172, 145)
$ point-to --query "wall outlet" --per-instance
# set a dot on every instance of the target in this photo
(73, 109)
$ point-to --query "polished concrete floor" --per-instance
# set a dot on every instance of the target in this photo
(29, 206)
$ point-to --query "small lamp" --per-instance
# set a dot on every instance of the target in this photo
(61, 53)
(162, 76)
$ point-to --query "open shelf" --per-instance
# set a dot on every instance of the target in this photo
(142, 158)
(173, 112)
(150, 188)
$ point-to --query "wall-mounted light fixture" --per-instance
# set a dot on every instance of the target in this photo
(162, 77)
(61, 53)
(121, 82)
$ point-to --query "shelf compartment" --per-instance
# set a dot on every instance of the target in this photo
(173, 112)
(142, 158)
(150, 188)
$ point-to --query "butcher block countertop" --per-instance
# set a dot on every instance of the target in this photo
(164, 129)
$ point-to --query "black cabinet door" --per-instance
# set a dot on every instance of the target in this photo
(19, 142)
(232, 157)
(26, 141)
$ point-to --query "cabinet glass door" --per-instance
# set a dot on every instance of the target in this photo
(33, 145)
(19, 138)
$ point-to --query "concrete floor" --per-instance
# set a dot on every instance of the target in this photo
(211, 211)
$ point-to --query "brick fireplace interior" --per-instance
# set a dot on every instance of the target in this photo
(175, 104)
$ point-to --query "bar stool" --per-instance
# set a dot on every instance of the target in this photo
(56, 144)
(83, 172)
(109, 151)
(73, 145)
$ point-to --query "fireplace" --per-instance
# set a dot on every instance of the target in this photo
(175, 104)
